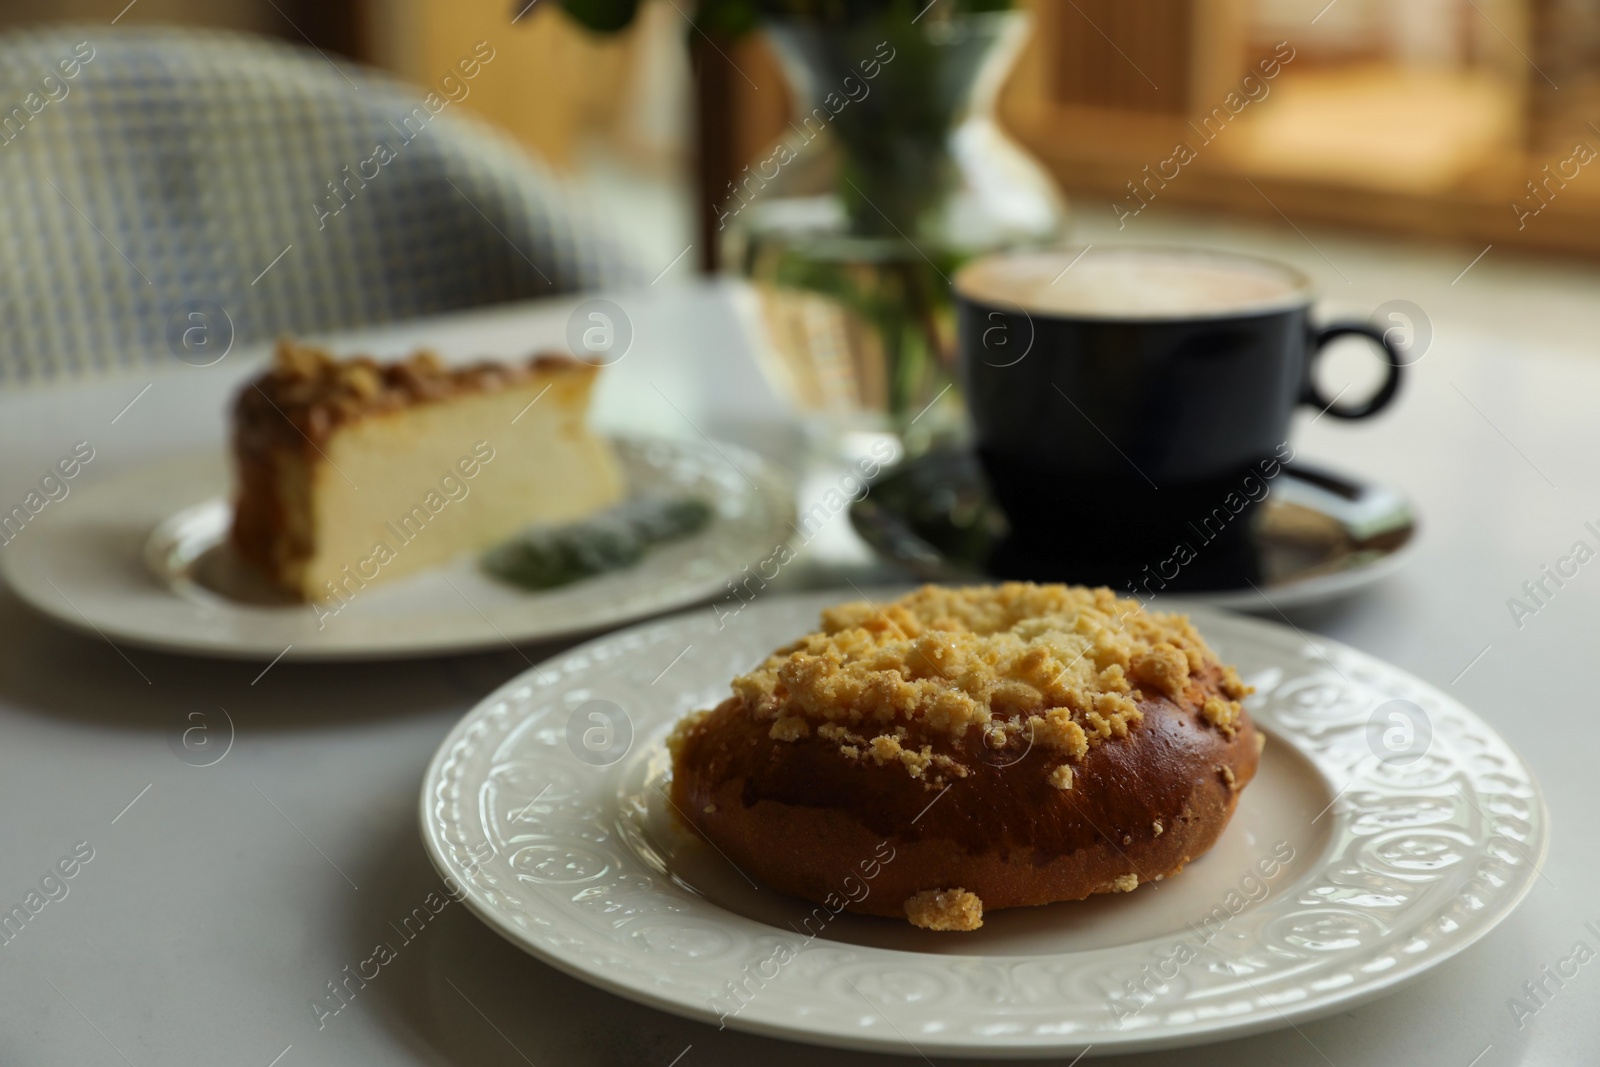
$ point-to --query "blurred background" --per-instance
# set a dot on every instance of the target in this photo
(1433, 153)
(1430, 117)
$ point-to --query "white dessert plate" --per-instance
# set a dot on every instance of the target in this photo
(143, 559)
(1388, 829)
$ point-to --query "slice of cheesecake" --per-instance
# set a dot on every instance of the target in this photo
(353, 471)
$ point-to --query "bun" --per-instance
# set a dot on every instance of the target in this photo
(962, 750)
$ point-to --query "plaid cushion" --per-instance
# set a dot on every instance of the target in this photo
(152, 175)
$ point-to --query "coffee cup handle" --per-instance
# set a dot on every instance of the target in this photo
(1393, 357)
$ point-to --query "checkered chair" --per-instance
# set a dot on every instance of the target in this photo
(150, 175)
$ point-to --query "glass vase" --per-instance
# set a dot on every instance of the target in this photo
(894, 173)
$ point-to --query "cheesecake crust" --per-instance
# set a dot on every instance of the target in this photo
(308, 393)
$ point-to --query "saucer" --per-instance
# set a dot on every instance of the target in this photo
(1318, 535)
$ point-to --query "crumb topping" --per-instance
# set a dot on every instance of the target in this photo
(1126, 883)
(789, 728)
(1165, 668)
(1158, 828)
(310, 392)
(1061, 777)
(1223, 714)
(945, 909)
(1062, 667)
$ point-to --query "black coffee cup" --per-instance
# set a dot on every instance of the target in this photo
(1128, 400)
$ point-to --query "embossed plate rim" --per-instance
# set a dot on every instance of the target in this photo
(615, 658)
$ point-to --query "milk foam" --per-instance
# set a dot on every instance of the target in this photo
(1133, 283)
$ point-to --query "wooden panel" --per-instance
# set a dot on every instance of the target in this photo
(742, 106)
(1565, 52)
(549, 79)
(337, 26)
(254, 16)
(716, 157)
(1121, 55)
(1221, 51)
(1095, 171)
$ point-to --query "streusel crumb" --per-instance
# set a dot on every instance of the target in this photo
(789, 728)
(1057, 666)
(1223, 714)
(1061, 777)
(945, 909)
(1126, 883)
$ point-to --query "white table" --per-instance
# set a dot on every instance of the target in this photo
(221, 901)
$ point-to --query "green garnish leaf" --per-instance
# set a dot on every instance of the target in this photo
(547, 557)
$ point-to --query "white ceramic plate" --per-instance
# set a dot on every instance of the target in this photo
(1342, 875)
(138, 559)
